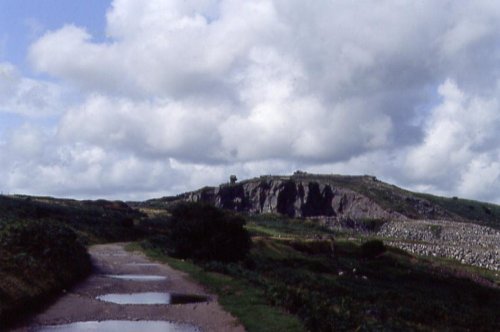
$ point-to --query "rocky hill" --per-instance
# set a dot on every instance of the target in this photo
(335, 197)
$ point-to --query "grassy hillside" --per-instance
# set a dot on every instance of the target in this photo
(289, 281)
(363, 287)
(389, 197)
(42, 246)
(486, 213)
(407, 202)
(95, 221)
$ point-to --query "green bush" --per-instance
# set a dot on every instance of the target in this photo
(37, 260)
(372, 248)
(203, 232)
(43, 243)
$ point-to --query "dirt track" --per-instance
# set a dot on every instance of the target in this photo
(79, 304)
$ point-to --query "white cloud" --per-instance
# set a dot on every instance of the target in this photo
(459, 146)
(26, 142)
(25, 96)
(481, 178)
(159, 128)
(79, 170)
(190, 91)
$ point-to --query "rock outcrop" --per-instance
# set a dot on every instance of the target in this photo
(422, 224)
(313, 196)
(292, 198)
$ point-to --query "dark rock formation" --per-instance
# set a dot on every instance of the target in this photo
(296, 196)
(332, 197)
(423, 224)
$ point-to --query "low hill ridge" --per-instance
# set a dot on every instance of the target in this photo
(337, 197)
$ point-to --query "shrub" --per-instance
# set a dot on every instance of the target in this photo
(32, 245)
(40, 258)
(372, 248)
(203, 232)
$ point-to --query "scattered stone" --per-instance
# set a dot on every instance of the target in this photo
(467, 243)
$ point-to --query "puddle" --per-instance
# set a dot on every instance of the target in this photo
(152, 298)
(120, 326)
(137, 277)
(143, 264)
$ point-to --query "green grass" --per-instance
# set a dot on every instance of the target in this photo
(483, 213)
(289, 281)
(277, 226)
(470, 271)
(238, 296)
(389, 291)
(402, 291)
(291, 269)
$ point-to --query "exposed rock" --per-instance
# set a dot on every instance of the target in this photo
(298, 199)
(418, 223)
(468, 243)
(300, 195)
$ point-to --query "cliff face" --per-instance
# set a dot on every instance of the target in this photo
(294, 197)
(335, 197)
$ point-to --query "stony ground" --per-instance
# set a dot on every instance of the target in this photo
(468, 243)
(80, 304)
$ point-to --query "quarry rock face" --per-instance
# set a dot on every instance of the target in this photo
(364, 205)
(295, 196)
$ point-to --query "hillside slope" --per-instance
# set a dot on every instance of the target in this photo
(97, 221)
(335, 197)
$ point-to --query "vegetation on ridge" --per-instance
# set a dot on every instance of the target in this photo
(94, 221)
(360, 286)
(485, 213)
(389, 197)
(37, 260)
(42, 246)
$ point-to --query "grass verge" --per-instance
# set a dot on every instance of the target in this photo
(239, 297)
(357, 291)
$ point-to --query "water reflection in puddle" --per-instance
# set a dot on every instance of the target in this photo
(152, 298)
(143, 264)
(137, 277)
(121, 326)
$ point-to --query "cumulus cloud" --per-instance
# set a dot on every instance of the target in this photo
(405, 91)
(156, 129)
(25, 96)
(459, 150)
(81, 170)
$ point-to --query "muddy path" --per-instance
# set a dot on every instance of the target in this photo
(117, 271)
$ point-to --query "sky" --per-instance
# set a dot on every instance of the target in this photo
(133, 99)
